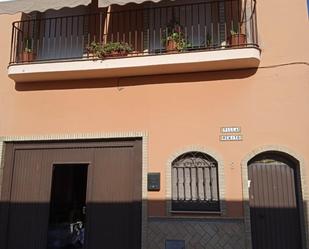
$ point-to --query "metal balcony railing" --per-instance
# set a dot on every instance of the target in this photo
(207, 25)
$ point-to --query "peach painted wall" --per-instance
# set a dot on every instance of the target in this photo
(270, 104)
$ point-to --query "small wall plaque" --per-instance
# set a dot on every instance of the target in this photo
(174, 244)
(153, 181)
(231, 138)
(232, 129)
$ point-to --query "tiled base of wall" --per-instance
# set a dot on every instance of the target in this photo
(198, 234)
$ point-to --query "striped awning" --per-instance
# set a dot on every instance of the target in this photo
(27, 6)
(105, 3)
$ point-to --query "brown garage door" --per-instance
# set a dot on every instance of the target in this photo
(113, 193)
(274, 203)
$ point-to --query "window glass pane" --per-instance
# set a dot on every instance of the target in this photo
(194, 182)
(180, 184)
(214, 180)
(200, 190)
(187, 184)
(174, 184)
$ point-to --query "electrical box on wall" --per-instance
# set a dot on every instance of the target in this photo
(153, 181)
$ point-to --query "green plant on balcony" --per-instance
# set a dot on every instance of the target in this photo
(208, 42)
(237, 38)
(95, 49)
(109, 49)
(27, 54)
(174, 38)
(117, 49)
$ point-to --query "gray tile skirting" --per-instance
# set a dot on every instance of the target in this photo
(197, 233)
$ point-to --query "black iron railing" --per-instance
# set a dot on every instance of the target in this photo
(207, 25)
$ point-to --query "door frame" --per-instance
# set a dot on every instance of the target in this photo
(302, 191)
(6, 143)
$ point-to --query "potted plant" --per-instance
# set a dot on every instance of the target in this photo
(115, 49)
(27, 55)
(237, 39)
(208, 42)
(173, 38)
(95, 49)
(110, 49)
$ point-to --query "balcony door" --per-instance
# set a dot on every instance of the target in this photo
(62, 33)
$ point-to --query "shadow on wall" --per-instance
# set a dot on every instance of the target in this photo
(118, 226)
(135, 81)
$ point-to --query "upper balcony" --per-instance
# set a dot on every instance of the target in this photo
(119, 41)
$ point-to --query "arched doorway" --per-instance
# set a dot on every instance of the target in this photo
(275, 200)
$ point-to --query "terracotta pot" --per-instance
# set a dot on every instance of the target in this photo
(27, 57)
(238, 40)
(117, 54)
(171, 46)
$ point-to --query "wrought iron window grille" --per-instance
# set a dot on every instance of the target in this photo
(195, 185)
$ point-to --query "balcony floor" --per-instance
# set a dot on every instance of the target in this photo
(224, 59)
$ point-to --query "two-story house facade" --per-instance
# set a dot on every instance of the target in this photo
(152, 125)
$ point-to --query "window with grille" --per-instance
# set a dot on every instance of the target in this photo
(195, 183)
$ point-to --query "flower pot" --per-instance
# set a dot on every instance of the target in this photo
(171, 46)
(238, 40)
(27, 57)
(117, 54)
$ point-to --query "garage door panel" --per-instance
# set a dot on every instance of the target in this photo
(113, 213)
(27, 216)
(113, 202)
